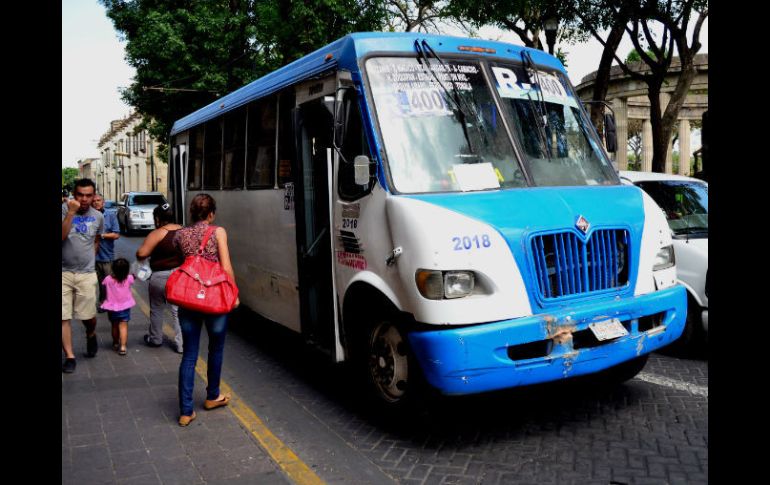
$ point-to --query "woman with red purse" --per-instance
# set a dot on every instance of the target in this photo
(190, 241)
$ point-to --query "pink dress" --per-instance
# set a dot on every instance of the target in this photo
(119, 295)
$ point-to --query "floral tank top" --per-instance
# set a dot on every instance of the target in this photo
(188, 240)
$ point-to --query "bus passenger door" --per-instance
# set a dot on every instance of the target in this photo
(177, 178)
(313, 126)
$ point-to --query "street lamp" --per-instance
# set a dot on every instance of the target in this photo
(551, 24)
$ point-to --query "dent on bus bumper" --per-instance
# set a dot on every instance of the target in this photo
(486, 357)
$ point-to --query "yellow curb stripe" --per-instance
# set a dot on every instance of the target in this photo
(281, 454)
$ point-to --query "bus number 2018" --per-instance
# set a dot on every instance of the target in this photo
(470, 242)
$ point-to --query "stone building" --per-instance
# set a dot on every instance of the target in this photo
(86, 168)
(629, 100)
(129, 160)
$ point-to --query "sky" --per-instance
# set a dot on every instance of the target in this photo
(94, 70)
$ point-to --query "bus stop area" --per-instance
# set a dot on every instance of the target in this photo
(119, 419)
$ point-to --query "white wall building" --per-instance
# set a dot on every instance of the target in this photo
(129, 160)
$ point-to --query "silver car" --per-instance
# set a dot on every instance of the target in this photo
(684, 200)
(135, 211)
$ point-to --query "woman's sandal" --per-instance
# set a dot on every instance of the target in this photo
(122, 351)
(186, 420)
(210, 404)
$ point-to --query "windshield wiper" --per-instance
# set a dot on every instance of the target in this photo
(459, 112)
(539, 111)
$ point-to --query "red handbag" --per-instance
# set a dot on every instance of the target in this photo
(202, 285)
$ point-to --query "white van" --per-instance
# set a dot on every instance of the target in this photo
(684, 201)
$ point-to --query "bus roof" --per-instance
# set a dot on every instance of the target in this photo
(344, 55)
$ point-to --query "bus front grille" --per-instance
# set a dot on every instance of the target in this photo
(567, 265)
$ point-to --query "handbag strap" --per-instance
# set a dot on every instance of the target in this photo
(206, 235)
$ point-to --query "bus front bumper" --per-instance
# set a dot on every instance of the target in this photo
(547, 347)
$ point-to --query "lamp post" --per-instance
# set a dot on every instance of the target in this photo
(551, 24)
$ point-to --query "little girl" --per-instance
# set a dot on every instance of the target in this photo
(119, 302)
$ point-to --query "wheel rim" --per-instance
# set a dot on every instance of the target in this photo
(388, 362)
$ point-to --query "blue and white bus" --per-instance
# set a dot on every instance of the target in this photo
(435, 209)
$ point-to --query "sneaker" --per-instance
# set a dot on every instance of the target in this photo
(91, 346)
(149, 342)
(178, 349)
(69, 366)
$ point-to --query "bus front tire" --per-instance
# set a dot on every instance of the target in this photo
(387, 363)
(626, 371)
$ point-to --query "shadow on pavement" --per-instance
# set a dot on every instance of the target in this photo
(536, 407)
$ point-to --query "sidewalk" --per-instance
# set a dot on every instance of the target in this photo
(119, 418)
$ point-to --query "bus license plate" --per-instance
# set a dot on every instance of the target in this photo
(608, 329)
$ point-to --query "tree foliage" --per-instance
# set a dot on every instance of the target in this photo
(187, 53)
(525, 18)
(423, 16)
(68, 176)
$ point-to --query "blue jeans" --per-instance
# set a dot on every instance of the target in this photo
(216, 327)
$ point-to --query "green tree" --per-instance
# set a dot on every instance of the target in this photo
(525, 18)
(68, 176)
(187, 53)
(633, 56)
(423, 16)
(639, 20)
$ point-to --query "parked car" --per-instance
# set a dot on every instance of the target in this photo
(135, 210)
(684, 200)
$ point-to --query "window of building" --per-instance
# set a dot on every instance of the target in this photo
(260, 155)
(234, 149)
(212, 155)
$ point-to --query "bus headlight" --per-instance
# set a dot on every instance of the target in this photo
(458, 284)
(665, 258)
(437, 285)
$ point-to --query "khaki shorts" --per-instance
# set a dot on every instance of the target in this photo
(78, 292)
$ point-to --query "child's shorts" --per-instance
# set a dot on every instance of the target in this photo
(119, 316)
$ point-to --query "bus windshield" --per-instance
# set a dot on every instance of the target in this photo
(421, 122)
(546, 121)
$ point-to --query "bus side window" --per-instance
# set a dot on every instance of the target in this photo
(286, 157)
(195, 159)
(260, 157)
(212, 155)
(234, 150)
(354, 144)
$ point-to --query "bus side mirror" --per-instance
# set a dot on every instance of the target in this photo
(361, 172)
(610, 133)
(341, 111)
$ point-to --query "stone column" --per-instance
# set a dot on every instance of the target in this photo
(620, 105)
(646, 146)
(684, 147)
(664, 99)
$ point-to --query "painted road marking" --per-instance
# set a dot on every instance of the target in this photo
(282, 455)
(673, 383)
